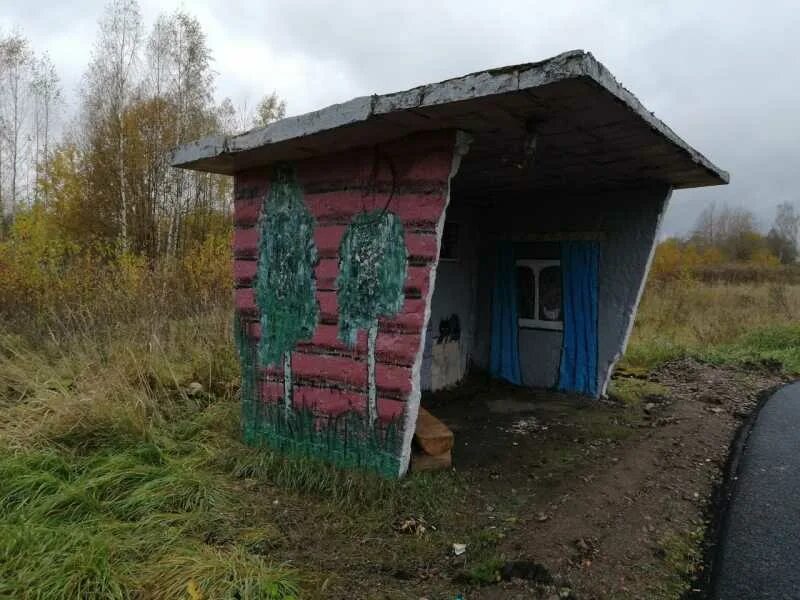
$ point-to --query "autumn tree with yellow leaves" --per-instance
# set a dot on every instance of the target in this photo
(103, 191)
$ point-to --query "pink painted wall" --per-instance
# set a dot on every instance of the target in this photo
(328, 376)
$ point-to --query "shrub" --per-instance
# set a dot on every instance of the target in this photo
(47, 281)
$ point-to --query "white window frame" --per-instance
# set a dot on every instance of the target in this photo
(536, 265)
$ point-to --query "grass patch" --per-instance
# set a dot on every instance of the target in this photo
(109, 482)
(67, 560)
(486, 572)
(102, 525)
(647, 353)
(342, 488)
(220, 573)
(158, 519)
(774, 347)
(632, 391)
(681, 556)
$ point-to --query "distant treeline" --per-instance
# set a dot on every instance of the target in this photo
(727, 246)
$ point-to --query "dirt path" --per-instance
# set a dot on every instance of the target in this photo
(627, 521)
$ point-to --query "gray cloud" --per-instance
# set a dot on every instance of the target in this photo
(722, 74)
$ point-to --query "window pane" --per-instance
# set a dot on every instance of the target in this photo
(526, 293)
(550, 294)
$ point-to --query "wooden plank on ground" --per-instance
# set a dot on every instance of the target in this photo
(433, 436)
(425, 462)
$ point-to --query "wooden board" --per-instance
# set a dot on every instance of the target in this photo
(425, 462)
(432, 436)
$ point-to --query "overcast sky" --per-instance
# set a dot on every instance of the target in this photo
(723, 74)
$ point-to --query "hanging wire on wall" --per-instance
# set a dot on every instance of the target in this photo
(372, 185)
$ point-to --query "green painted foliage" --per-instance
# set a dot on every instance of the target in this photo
(349, 440)
(285, 286)
(372, 274)
(372, 271)
(249, 394)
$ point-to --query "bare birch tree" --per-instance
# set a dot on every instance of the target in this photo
(111, 85)
(46, 91)
(16, 62)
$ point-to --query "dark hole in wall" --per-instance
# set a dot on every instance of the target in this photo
(449, 329)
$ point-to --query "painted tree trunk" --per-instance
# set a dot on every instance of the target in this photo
(287, 381)
(251, 404)
(372, 398)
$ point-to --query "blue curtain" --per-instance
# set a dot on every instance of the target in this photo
(579, 266)
(504, 355)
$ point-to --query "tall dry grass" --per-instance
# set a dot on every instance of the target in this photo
(735, 323)
(104, 381)
(102, 494)
(121, 464)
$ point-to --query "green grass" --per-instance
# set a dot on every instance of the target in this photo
(107, 523)
(680, 557)
(632, 391)
(138, 516)
(643, 355)
(109, 483)
(486, 572)
(777, 347)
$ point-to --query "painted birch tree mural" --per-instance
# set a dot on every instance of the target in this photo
(372, 271)
(285, 287)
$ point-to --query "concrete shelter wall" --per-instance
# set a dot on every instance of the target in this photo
(411, 180)
(626, 222)
(455, 294)
(632, 230)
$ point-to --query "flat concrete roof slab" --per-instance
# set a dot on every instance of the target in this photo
(588, 130)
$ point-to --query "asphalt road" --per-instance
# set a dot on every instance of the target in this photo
(759, 553)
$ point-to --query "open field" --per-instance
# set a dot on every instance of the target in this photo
(122, 474)
(727, 324)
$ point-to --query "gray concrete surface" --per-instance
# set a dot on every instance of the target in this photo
(631, 224)
(539, 357)
(455, 293)
(759, 552)
(572, 92)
